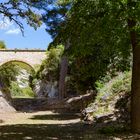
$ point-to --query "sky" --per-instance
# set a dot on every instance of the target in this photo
(13, 38)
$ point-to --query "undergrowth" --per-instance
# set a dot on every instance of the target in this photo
(108, 92)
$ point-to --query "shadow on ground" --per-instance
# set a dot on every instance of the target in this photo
(69, 131)
(63, 116)
(49, 132)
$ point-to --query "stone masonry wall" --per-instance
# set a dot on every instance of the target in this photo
(31, 57)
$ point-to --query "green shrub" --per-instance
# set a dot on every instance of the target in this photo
(8, 73)
(17, 91)
(120, 83)
(49, 69)
(28, 92)
(109, 92)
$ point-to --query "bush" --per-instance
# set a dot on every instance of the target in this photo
(108, 93)
(28, 92)
(17, 91)
(8, 73)
(120, 83)
(49, 69)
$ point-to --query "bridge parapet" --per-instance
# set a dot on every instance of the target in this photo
(22, 50)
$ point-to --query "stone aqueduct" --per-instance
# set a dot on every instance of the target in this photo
(29, 57)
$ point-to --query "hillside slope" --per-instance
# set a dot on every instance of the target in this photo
(112, 103)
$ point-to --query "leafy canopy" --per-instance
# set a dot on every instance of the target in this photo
(98, 34)
(15, 10)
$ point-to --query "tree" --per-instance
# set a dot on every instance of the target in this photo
(134, 38)
(56, 19)
(8, 73)
(88, 42)
(63, 73)
(112, 25)
(121, 19)
(15, 10)
(2, 45)
(49, 69)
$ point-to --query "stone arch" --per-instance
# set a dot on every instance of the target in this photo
(29, 67)
(26, 66)
(31, 57)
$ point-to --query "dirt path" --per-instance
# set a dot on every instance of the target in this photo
(42, 117)
(47, 125)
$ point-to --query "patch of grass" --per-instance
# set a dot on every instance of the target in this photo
(28, 92)
(17, 91)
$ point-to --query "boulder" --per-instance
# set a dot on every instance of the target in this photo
(5, 106)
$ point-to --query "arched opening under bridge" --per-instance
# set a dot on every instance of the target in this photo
(21, 73)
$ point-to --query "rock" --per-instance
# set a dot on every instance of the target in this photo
(5, 106)
(80, 102)
(86, 117)
(46, 89)
(70, 104)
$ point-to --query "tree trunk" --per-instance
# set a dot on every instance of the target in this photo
(135, 92)
(63, 73)
(135, 97)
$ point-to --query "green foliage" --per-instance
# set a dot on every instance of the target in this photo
(86, 70)
(15, 10)
(2, 45)
(17, 91)
(49, 70)
(9, 83)
(28, 92)
(98, 36)
(99, 39)
(117, 85)
(108, 93)
(8, 73)
(122, 84)
(54, 55)
(54, 18)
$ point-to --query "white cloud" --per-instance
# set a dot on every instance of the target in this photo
(8, 26)
(13, 31)
(5, 23)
